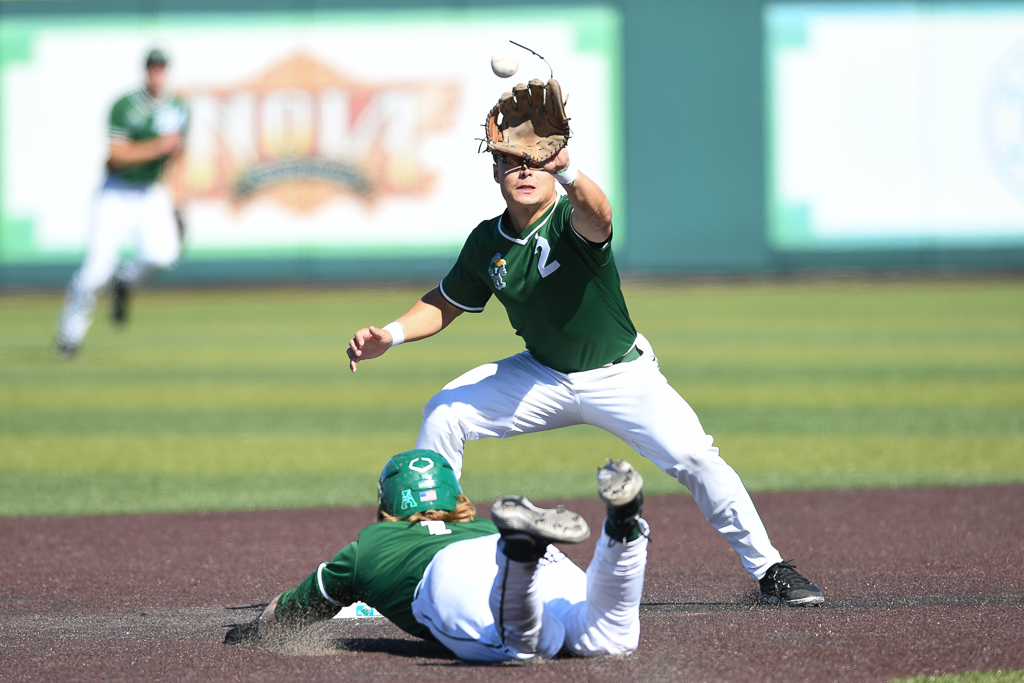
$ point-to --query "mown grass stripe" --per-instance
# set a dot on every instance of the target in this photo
(812, 385)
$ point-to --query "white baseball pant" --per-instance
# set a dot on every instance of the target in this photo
(632, 400)
(123, 214)
(484, 607)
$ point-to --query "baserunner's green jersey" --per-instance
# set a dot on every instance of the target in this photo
(381, 569)
(140, 116)
(561, 292)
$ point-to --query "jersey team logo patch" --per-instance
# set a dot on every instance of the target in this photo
(497, 271)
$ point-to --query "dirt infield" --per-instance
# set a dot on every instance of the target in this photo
(925, 581)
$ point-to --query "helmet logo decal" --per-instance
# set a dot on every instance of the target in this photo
(421, 468)
(407, 500)
(427, 496)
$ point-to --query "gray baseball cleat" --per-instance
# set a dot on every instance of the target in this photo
(783, 584)
(618, 484)
(622, 489)
(515, 515)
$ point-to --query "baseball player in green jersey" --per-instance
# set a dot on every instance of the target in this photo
(548, 260)
(487, 590)
(147, 129)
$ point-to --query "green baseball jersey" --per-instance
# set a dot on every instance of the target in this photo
(561, 292)
(140, 116)
(381, 569)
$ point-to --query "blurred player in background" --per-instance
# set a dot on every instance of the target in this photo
(147, 131)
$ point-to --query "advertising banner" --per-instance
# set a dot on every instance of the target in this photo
(334, 134)
(895, 125)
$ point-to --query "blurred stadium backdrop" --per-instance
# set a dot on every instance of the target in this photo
(334, 140)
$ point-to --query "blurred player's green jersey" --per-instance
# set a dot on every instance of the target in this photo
(381, 569)
(140, 116)
(561, 292)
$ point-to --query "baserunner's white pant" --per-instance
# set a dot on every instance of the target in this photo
(484, 607)
(633, 401)
(124, 214)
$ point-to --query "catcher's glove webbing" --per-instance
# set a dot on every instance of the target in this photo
(533, 126)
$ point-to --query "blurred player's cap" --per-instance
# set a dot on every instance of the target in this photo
(156, 56)
(415, 481)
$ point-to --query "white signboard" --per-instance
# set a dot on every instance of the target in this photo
(331, 133)
(895, 125)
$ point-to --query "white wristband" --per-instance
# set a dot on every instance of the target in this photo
(567, 175)
(397, 332)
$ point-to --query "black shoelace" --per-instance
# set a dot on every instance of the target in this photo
(785, 573)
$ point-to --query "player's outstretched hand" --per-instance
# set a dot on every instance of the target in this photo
(369, 342)
(557, 162)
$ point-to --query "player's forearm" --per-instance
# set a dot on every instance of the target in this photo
(428, 316)
(592, 212)
(126, 153)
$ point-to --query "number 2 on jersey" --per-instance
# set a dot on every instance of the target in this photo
(543, 266)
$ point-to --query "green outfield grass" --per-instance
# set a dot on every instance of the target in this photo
(242, 399)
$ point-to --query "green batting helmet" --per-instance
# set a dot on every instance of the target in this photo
(415, 481)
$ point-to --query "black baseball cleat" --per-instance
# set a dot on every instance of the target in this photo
(527, 529)
(119, 301)
(783, 584)
(243, 634)
(66, 350)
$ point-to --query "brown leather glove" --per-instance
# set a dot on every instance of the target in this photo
(533, 127)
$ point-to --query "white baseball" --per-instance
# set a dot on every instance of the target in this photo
(504, 64)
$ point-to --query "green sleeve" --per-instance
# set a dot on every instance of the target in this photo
(323, 593)
(118, 122)
(596, 254)
(464, 286)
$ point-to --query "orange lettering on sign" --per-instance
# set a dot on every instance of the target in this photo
(301, 134)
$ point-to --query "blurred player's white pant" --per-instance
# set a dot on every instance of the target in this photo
(632, 400)
(484, 607)
(123, 214)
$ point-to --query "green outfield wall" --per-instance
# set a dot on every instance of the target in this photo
(707, 176)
